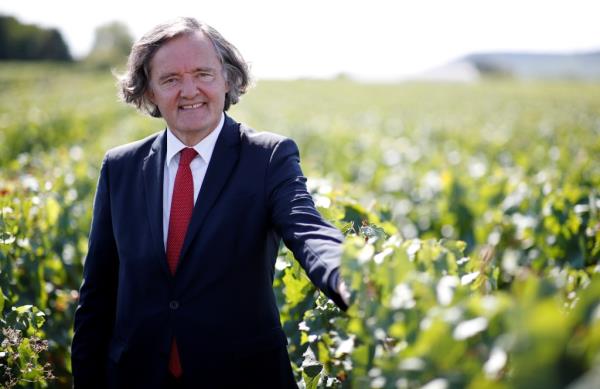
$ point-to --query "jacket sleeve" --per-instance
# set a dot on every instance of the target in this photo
(95, 314)
(316, 244)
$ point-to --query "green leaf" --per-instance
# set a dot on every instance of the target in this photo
(23, 309)
(52, 210)
(311, 369)
(296, 287)
(2, 299)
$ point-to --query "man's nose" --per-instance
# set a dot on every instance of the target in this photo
(188, 87)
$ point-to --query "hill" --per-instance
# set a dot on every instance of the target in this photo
(524, 66)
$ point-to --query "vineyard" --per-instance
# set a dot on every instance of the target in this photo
(471, 214)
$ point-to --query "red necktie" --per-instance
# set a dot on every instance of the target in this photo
(182, 205)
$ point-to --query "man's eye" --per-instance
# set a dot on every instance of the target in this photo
(169, 81)
(206, 76)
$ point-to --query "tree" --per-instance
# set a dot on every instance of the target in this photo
(112, 43)
(29, 42)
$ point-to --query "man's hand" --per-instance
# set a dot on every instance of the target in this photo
(344, 292)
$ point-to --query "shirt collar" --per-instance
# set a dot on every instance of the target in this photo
(204, 148)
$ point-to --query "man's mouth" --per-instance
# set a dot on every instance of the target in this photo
(191, 106)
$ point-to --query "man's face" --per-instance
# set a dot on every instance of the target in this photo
(188, 87)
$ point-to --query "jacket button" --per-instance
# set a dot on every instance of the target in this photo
(174, 304)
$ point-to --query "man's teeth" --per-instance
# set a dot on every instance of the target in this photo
(192, 106)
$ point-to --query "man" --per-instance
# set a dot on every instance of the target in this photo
(177, 283)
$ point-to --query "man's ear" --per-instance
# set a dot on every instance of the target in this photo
(149, 94)
(225, 78)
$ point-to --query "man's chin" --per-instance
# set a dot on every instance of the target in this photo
(191, 135)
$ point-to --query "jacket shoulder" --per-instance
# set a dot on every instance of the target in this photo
(136, 149)
(260, 139)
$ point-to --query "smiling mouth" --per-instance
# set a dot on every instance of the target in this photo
(191, 106)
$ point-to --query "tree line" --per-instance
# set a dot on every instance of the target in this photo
(20, 41)
(26, 42)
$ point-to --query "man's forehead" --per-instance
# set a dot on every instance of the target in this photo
(196, 41)
(188, 52)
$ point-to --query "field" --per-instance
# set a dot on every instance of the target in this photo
(472, 215)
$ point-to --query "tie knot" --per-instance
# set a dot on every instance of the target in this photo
(186, 156)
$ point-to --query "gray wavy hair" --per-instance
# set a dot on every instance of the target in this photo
(133, 84)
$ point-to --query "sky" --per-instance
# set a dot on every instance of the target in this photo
(369, 39)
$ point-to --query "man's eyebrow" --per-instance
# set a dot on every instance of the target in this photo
(196, 70)
(204, 69)
(166, 75)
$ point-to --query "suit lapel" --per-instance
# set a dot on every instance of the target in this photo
(223, 160)
(153, 171)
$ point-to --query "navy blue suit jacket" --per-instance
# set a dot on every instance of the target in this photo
(219, 304)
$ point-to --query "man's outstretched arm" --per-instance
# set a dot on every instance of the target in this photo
(316, 244)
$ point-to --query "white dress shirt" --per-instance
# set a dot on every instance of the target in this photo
(198, 166)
